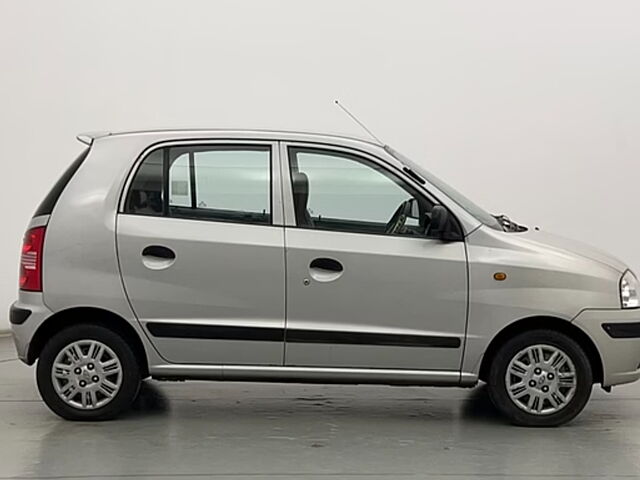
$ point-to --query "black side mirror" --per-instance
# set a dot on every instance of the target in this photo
(443, 225)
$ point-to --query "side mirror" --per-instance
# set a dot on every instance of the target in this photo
(443, 225)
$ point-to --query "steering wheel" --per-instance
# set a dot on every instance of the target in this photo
(398, 219)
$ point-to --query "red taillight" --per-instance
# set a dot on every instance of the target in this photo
(31, 260)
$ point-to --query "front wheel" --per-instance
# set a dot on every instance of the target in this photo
(540, 378)
(87, 372)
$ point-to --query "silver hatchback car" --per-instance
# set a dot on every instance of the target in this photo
(292, 257)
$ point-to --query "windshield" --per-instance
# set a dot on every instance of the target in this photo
(479, 213)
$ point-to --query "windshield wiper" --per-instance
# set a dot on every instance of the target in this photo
(509, 225)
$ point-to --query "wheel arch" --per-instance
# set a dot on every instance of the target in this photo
(88, 315)
(548, 323)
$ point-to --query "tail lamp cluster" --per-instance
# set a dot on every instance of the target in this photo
(31, 260)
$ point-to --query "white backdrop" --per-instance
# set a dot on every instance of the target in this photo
(530, 108)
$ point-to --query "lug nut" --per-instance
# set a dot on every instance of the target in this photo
(545, 389)
(77, 371)
(550, 376)
(537, 371)
(95, 379)
(83, 383)
(90, 366)
(532, 383)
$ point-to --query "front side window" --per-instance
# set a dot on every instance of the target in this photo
(343, 192)
(221, 183)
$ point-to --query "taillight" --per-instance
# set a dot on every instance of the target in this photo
(31, 260)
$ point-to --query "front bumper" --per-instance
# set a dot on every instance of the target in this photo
(617, 337)
(23, 326)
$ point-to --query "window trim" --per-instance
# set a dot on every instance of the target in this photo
(275, 194)
(290, 218)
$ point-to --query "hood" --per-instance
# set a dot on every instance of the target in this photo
(573, 247)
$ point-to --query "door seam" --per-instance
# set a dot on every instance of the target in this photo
(281, 164)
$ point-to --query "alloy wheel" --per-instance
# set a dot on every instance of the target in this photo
(87, 374)
(541, 379)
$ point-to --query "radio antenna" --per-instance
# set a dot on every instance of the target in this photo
(355, 119)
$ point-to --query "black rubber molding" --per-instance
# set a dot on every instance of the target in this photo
(622, 330)
(266, 334)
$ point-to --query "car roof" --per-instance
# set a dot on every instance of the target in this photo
(88, 137)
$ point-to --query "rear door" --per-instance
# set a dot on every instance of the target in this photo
(367, 286)
(201, 251)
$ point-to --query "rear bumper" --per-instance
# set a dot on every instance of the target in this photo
(26, 315)
(616, 334)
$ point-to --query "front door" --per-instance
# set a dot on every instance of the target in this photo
(201, 258)
(366, 285)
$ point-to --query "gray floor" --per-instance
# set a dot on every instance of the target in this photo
(203, 430)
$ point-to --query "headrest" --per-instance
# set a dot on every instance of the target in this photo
(300, 183)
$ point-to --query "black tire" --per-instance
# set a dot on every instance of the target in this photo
(130, 382)
(498, 370)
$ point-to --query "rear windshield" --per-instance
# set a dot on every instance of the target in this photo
(46, 206)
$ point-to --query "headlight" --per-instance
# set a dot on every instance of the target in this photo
(629, 290)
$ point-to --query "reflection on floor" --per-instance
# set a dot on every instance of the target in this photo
(201, 430)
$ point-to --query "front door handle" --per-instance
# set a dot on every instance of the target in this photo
(158, 257)
(325, 269)
(328, 264)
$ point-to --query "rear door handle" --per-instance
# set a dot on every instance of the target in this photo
(158, 251)
(158, 257)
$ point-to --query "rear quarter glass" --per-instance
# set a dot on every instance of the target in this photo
(47, 204)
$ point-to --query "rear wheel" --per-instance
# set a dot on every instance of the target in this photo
(87, 372)
(540, 378)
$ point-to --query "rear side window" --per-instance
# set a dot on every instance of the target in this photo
(145, 195)
(226, 183)
(46, 206)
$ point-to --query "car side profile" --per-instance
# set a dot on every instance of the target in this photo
(292, 257)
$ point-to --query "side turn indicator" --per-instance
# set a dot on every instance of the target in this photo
(499, 276)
